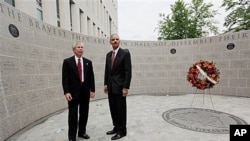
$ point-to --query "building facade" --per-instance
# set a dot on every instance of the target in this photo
(96, 18)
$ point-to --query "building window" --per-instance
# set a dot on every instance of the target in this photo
(81, 21)
(39, 14)
(58, 13)
(39, 3)
(94, 30)
(39, 9)
(71, 3)
(11, 2)
(88, 26)
(110, 25)
(58, 24)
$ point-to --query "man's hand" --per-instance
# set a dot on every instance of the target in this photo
(92, 94)
(68, 96)
(105, 89)
(124, 92)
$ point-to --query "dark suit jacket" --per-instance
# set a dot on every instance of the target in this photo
(119, 76)
(70, 77)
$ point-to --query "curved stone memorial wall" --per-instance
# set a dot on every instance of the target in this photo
(32, 53)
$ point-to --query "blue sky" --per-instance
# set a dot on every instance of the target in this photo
(138, 19)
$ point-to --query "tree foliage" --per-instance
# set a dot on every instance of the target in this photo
(187, 21)
(239, 15)
(202, 19)
(174, 26)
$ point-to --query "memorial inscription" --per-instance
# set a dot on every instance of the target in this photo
(10, 12)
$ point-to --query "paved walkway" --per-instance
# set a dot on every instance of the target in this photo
(145, 120)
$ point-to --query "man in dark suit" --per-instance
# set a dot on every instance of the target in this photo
(79, 86)
(116, 84)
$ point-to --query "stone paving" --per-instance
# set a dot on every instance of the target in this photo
(144, 119)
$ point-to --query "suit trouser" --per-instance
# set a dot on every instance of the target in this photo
(118, 109)
(82, 102)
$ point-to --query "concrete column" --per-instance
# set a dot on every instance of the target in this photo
(102, 17)
(49, 12)
(107, 22)
(94, 30)
(64, 8)
(94, 4)
(75, 13)
(84, 23)
(27, 6)
(99, 32)
(98, 12)
(90, 27)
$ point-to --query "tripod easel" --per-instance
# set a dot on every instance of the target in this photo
(203, 93)
(203, 75)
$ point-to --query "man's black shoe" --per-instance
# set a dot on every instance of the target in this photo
(117, 136)
(111, 132)
(72, 139)
(85, 136)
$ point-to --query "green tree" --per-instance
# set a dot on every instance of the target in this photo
(174, 27)
(187, 21)
(202, 19)
(239, 15)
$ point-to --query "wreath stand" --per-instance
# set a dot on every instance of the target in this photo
(203, 93)
(199, 78)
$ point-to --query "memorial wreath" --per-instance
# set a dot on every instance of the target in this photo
(203, 75)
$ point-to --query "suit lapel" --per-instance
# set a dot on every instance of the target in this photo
(74, 66)
(109, 60)
(85, 67)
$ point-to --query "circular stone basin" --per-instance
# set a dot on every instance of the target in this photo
(202, 120)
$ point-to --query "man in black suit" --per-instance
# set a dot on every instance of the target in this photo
(79, 86)
(116, 84)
